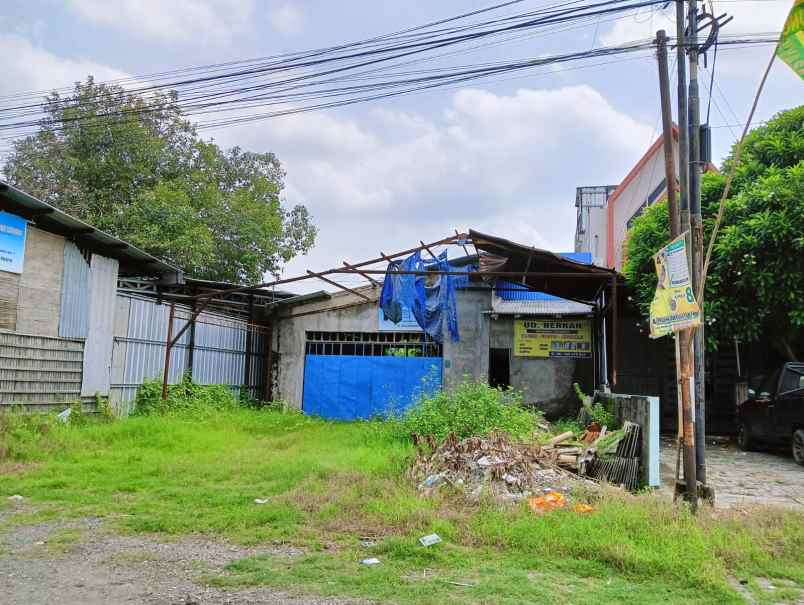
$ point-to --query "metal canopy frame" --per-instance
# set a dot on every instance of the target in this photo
(596, 278)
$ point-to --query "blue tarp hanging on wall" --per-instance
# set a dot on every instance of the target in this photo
(349, 387)
(433, 305)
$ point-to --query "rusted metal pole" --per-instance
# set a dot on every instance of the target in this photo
(480, 273)
(168, 349)
(269, 361)
(614, 328)
(667, 134)
(249, 346)
(373, 281)
(337, 285)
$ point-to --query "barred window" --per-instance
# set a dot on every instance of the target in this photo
(372, 344)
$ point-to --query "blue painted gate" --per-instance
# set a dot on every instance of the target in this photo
(348, 387)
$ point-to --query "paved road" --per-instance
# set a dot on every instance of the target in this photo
(744, 478)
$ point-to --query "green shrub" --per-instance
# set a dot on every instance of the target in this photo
(184, 396)
(472, 408)
(592, 411)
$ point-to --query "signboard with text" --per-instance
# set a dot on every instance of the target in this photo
(408, 322)
(553, 338)
(12, 242)
(674, 307)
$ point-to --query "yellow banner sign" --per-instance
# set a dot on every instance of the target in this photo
(674, 307)
(791, 44)
(553, 338)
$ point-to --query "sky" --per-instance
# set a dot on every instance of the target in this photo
(503, 156)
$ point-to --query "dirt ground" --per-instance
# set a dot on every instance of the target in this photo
(79, 563)
(743, 478)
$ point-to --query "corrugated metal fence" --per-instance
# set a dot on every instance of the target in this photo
(213, 352)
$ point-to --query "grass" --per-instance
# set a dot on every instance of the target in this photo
(328, 484)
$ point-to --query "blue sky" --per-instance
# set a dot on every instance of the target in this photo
(502, 155)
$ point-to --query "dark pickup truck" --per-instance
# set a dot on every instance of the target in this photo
(774, 413)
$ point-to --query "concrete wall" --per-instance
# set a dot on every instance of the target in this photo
(40, 284)
(470, 355)
(290, 333)
(545, 383)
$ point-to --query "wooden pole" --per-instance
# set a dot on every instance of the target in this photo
(667, 134)
(168, 349)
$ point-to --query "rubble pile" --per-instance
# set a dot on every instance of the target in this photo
(495, 466)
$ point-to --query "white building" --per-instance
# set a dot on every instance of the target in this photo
(605, 213)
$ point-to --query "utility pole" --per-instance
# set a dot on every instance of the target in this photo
(683, 353)
(667, 134)
(696, 233)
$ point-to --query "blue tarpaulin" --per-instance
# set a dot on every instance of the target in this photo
(348, 387)
(431, 301)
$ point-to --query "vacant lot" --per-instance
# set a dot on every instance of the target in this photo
(120, 495)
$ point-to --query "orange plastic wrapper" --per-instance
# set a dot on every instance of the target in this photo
(580, 507)
(550, 501)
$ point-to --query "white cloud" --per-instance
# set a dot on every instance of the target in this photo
(170, 20)
(750, 17)
(26, 67)
(505, 164)
(287, 20)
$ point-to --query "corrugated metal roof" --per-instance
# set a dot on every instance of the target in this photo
(556, 306)
(508, 290)
(133, 261)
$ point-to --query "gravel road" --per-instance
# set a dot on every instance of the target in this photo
(78, 562)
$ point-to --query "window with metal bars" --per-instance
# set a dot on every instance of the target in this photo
(372, 344)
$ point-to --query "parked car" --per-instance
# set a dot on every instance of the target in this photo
(773, 414)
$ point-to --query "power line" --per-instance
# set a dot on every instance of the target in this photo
(207, 90)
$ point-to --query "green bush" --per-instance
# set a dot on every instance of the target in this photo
(472, 408)
(184, 396)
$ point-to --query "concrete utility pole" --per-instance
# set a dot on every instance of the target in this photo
(696, 232)
(683, 352)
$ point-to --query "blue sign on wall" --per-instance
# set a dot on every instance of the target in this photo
(408, 323)
(12, 242)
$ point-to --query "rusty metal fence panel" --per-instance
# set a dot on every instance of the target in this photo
(214, 351)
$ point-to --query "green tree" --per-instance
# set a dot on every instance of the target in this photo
(134, 166)
(755, 287)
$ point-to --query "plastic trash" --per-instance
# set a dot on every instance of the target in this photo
(64, 415)
(430, 539)
(550, 501)
(432, 481)
(16, 498)
(580, 507)
(260, 500)
(370, 561)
